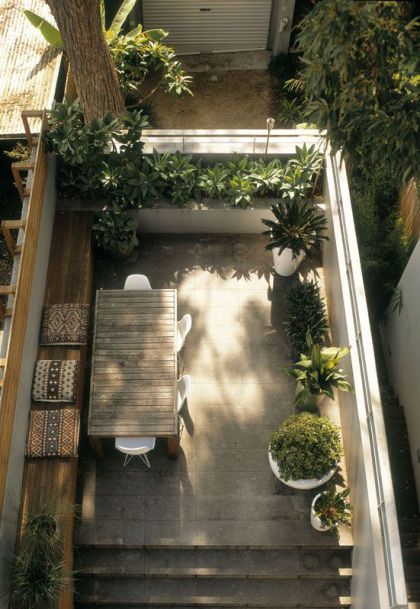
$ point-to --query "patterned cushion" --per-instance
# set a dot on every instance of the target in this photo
(53, 433)
(55, 380)
(64, 324)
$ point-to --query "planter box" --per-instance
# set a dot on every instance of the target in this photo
(209, 216)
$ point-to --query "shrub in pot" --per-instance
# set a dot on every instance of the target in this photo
(317, 373)
(115, 231)
(304, 451)
(330, 509)
(298, 227)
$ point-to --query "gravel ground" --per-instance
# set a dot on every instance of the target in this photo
(240, 99)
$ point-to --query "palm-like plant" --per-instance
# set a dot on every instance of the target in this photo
(333, 508)
(213, 181)
(318, 373)
(298, 226)
(267, 177)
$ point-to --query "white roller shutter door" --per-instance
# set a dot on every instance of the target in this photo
(212, 25)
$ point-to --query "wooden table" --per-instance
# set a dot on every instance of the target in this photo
(134, 367)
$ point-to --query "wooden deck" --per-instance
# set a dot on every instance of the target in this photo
(52, 482)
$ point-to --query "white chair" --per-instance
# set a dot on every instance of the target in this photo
(184, 326)
(137, 282)
(184, 388)
(135, 446)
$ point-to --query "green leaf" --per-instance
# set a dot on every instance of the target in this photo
(122, 14)
(48, 31)
(135, 32)
(102, 11)
(156, 35)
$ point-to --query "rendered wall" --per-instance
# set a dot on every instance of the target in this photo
(23, 403)
(370, 581)
(401, 339)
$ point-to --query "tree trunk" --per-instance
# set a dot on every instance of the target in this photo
(97, 85)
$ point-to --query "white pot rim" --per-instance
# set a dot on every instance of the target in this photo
(302, 483)
(315, 520)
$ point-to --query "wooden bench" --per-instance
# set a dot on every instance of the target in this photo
(52, 481)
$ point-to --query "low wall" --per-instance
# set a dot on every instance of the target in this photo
(166, 217)
(23, 403)
(378, 578)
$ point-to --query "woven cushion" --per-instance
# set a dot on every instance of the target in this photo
(55, 380)
(53, 433)
(64, 324)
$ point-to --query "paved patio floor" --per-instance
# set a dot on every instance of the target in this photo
(220, 492)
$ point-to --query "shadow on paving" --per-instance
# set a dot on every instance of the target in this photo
(220, 491)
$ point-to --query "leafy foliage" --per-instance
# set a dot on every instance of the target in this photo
(289, 112)
(139, 57)
(19, 152)
(305, 310)
(213, 181)
(267, 177)
(383, 245)
(114, 230)
(306, 446)
(178, 174)
(241, 191)
(318, 372)
(298, 225)
(333, 508)
(359, 74)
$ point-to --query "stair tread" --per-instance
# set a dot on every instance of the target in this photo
(327, 592)
(209, 562)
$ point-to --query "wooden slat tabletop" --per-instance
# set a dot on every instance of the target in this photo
(133, 383)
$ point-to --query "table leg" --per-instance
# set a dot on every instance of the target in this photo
(173, 446)
(97, 447)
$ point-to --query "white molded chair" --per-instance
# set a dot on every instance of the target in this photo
(184, 326)
(137, 282)
(184, 388)
(135, 446)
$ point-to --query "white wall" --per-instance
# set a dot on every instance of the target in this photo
(23, 402)
(378, 579)
(401, 338)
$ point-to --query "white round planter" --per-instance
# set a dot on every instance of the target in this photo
(305, 484)
(285, 264)
(315, 521)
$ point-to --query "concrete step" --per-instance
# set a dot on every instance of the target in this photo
(279, 533)
(214, 592)
(208, 563)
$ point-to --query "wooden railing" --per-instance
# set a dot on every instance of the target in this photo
(19, 293)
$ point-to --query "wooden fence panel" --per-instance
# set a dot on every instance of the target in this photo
(410, 208)
(22, 297)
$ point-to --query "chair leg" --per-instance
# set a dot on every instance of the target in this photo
(127, 459)
(145, 460)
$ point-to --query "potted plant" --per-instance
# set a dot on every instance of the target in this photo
(38, 574)
(304, 451)
(298, 227)
(317, 373)
(115, 231)
(330, 509)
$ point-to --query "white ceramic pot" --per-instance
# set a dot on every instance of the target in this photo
(305, 484)
(315, 521)
(285, 264)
